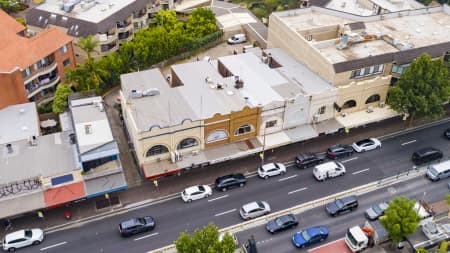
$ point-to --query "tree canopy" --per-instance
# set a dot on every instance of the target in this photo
(422, 90)
(400, 219)
(10, 6)
(60, 99)
(205, 240)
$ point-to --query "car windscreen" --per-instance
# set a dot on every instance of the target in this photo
(306, 235)
(339, 203)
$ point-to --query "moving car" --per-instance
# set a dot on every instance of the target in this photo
(310, 236)
(281, 223)
(376, 210)
(328, 170)
(342, 205)
(223, 183)
(136, 225)
(23, 238)
(436, 172)
(237, 38)
(366, 145)
(306, 160)
(447, 133)
(254, 209)
(196, 192)
(426, 155)
(339, 150)
(271, 169)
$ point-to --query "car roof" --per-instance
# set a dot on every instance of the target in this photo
(268, 166)
(305, 155)
(15, 235)
(251, 206)
(348, 198)
(286, 217)
(423, 151)
(192, 189)
(129, 223)
(327, 166)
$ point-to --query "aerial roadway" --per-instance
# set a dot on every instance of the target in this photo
(292, 188)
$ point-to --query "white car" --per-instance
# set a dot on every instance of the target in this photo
(271, 169)
(22, 238)
(237, 38)
(196, 192)
(254, 209)
(366, 145)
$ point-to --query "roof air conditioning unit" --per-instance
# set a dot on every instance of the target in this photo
(136, 93)
(151, 92)
(343, 114)
(369, 109)
(33, 140)
(316, 117)
(382, 104)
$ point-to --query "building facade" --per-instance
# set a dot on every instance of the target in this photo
(31, 67)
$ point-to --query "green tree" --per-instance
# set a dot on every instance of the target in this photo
(88, 76)
(10, 6)
(447, 199)
(168, 20)
(60, 99)
(201, 22)
(443, 247)
(422, 89)
(205, 240)
(88, 45)
(400, 219)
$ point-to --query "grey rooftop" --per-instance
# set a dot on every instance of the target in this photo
(18, 122)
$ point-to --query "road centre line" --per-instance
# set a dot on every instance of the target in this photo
(348, 160)
(298, 190)
(221, 197)
(52, 246)
(360, 171)
(408, 142)
(145, 236)
(286, 178)
(222, 213)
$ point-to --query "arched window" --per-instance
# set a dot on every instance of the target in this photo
(157, 150)
(244, 129)
(349, 104)
(187, 143)
(217, 135)
(373, 98)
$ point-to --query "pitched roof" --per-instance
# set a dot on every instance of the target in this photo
(64, 194)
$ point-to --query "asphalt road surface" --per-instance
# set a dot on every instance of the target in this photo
(281, 192)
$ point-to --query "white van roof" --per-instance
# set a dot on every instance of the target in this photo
(357, 233)
(441, 166)
(326, 166)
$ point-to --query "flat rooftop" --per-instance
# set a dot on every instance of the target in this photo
(355, 7)
(417, 29)
(53, 155)
(19, 122)
(98, 11)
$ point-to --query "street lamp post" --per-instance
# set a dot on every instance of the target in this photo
(263, 147)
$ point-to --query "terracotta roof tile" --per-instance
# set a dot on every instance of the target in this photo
(64, 194)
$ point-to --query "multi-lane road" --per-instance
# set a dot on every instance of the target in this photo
(293, 188)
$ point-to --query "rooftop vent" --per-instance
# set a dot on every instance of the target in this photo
(238, 83)
(151, 92)
(88, 129)
(9, 148)
(33, 140)
(21, 110)
(136, 93)
(220, 86)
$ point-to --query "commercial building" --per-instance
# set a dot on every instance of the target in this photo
(362, 56)
(31, 67)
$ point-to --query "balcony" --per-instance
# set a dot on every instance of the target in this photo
(140, 14)
(124, 26)
(125, 36)
(108, 48)
(104, 39)
(43, 70)
(43, 84)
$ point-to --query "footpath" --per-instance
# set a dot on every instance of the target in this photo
(147, 193)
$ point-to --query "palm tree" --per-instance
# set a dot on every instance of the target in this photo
(88, 76)
(88, 45)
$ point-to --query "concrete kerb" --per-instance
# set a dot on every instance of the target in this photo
(413, 129)
(360, 190)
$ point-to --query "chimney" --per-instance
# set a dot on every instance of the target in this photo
(33, 140)
(9, 147)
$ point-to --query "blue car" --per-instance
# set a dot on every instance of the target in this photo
(310, 236)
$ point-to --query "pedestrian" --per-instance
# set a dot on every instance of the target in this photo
(234, 52)
(8, 225)
(155, 183)
(347, 130)
(198, 59)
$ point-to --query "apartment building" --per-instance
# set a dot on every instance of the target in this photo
(110, 22)
(31, 67)
(362, 56)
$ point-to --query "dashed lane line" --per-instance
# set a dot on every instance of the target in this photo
(52, 246)
(360, 171)
(408, 142)
(146, 236)
(286, 178)
(298, 190)
(221, 197)
(222, 213)
(348, 160)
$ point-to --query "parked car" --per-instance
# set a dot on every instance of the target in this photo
(237, 38)
(366, 145)
(447, 133)
(310, 236)
(271, 169)
(223, 183)
(23, 238)
(436, 172)
(281, 223)
(342, 205)
(426, 155)
(376, 210)
(306, 160)
(136, 225)
(328, 170)
(339, 150)
(254, 209)
(196, 192)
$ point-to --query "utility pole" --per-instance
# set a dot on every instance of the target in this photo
(263, 148)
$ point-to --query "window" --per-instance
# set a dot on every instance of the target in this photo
(399, 69)
(26, 72)
(63, 49)
(271, 123)
(66, 62)
(157, 150)
(322, 109)
(243, 129)
(373, 98)
(447, 57)
(187, 143)
(372, 70)
(216, 136)
(349, 104)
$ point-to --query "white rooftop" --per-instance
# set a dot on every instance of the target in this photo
(362, 9)
(18, 122)
(97, 11)
(91, 123)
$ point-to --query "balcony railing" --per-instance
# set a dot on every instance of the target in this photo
(43, 84)
(42, 71)
(139, 14)
(123, 24)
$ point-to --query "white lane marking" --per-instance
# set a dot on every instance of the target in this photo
(348, 160)
(360, 171)
(408, 142)
(145, 236)
(286, 178)
(229, 211)
(52, 246)
(298, 190)
(221, 197)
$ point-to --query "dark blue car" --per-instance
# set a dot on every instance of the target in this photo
(310, 236)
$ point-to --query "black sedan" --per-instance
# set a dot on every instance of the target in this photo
(136, 225)
(223, 183)
(339, 150)
(281, 223)
(306, 160)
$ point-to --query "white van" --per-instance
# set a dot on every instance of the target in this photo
(438, 171)
(328, 170)
(237, 38)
